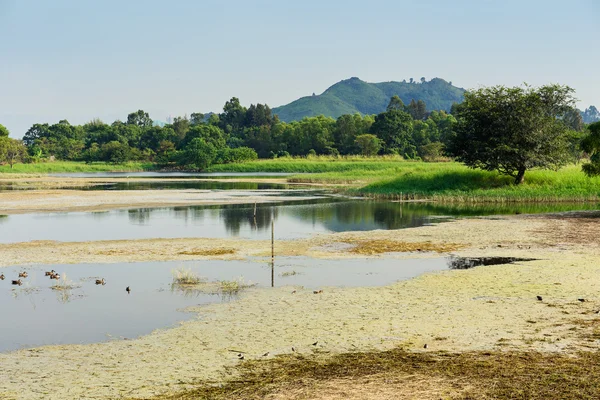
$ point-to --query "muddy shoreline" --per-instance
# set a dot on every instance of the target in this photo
(486, 308)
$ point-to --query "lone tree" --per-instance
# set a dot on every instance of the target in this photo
(511, 130)
(591, 145)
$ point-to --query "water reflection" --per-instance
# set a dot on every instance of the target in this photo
(293, 219)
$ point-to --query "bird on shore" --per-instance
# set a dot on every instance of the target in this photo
(581, 300)
(100, 282)
(127, 289)
(425, 346)
(17, 282)
(23, 274)
(539, 298)
(317, 291)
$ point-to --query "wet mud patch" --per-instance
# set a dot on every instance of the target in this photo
(472, 262)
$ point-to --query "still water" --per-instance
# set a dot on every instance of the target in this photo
(34, 314)
(293, 219)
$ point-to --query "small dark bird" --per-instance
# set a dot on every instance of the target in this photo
(581, 300)
(315, 343)
(100, 282)
(293, 292)
(539, 298)
(240, 357)
(127, 289)
(317, 291)
(293, 349)
(425, 346)
(1, 277)
(50, 273)
(17, 282)
(266, 354)
(22, 274)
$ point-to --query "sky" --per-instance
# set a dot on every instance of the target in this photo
(80, 60)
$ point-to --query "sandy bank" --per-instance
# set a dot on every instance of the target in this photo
(18, 202)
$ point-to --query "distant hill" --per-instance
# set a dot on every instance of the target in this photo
(353, 95)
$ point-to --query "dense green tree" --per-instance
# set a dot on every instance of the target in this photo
(3, 131)
(368, 144)
(198, 154)
(181, 126)
(233, 116)
(196, 118)
(394, 128)
(513, 129)
(395, 103)
(347, 128)
(12, 150)
(591, 145)
(209, 133)
(140, 118)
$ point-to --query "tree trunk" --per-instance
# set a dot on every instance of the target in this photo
(520, 176)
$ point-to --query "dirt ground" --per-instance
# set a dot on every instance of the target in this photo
(486, 308)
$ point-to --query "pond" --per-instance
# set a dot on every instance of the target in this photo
(34, 314)
(293, 219)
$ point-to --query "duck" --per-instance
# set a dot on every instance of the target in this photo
(17, 282)
(55, 276)
(100, 282)
(127, 289)
(1, 277)
(50, 273)
(23, 274)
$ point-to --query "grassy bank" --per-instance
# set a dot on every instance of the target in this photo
(318, 164)
(74, 167)
(401, 374)
(449, 182)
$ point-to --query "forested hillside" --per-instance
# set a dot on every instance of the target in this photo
(353, 95)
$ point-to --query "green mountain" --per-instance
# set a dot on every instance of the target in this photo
(352, 96)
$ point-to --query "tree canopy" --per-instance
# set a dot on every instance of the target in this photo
(591, 145)
(515, 129)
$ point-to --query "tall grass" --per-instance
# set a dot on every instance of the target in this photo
(314, 164)
(74, 166)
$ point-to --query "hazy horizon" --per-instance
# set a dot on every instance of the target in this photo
(82, 60)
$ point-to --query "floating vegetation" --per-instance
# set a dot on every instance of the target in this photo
(289, 273)
(370, 247)
(64, 283)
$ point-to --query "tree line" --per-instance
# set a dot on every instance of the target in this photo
(498, 128)
(241, 133)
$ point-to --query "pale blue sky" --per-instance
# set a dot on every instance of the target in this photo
(80, 60)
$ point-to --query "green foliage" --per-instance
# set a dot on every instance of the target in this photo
(369, 145)
(591, 145)
(237, 155)
(199, 154)
(12, 151)
(512, 130)
(353, 96)
(3, 131)
(394, 128)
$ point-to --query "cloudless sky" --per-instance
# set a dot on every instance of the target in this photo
(79, 60)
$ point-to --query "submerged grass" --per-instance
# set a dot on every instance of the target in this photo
(185, 276)
(473, 375)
